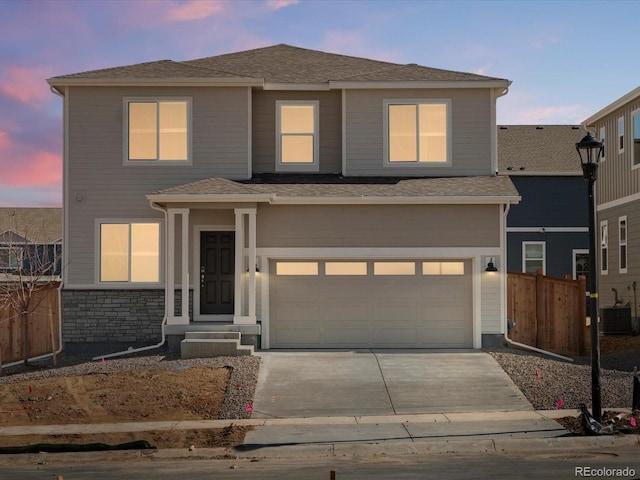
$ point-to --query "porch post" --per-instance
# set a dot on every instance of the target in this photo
(185, 266)
(170, 290)
(244, 316)
(171, 259)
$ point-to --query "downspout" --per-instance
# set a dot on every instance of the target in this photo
(131, 350)
(506, 330)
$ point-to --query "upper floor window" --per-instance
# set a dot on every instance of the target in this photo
(533, 258)
(602, 137)
(604, 247)
(10, 257)
(622, 243)
(157, 130)
(635, 116)
(297, 136)
(620, 134)
(129, 252)
(417, 132)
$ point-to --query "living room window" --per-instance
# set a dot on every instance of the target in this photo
(129, 252)
(297, 143)
(417, 132)
(533, 257)
(635, 118)
(157, 131)
(622, 243)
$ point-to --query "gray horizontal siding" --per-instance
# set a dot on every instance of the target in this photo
(471, 132)
(113, 190)
(264, 128)
(378, 226)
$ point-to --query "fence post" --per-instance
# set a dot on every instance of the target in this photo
(541, 326)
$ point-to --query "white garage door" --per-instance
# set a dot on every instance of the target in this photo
(370, 303)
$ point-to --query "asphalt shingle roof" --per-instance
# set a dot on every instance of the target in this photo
(279, 64)
(531, 149)
(327, 186)
(39, 225)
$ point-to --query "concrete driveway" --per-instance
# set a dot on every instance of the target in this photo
(382, 382)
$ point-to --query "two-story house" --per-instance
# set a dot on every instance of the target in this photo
(549, 229)
(618, 198)
(303, 198)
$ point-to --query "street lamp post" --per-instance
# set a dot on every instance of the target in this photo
(590, 150)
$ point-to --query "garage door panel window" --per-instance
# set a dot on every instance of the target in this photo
(394, 268)
(443, 268)
(297, 268)
(345, 268)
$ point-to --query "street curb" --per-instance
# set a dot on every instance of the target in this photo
(389, 449)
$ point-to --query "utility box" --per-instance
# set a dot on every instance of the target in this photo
(615, 319)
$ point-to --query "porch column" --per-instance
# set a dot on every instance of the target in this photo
(245, 291)
(182, 317)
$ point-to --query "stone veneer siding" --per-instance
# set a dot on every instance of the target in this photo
(113, 316)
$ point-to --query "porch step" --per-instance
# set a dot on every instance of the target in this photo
(213, 344)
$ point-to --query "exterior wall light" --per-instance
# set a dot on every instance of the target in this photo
(491, 267)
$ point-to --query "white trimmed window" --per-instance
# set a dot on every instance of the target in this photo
(129, 252)
(635, 118)
(10, 257)
(604, 247)
(602, 137)
(533, 257)
(157, 130)
(417, 132)
(622, 244)
(297, 146)
(620, 134)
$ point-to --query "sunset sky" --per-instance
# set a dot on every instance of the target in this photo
(567, 59)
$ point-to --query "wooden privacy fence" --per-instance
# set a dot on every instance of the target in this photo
(549, 313)
(43, 328)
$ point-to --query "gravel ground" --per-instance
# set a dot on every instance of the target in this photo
(569, 382)
(244, 371)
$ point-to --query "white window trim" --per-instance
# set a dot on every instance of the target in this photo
(129, 221)
(620, 135)
(125, 115)
(602, 136)
(385, 140)
(634, 146)
(604, 243)
(622, 243)
(544, 255)
(575, 252)
(299, 167)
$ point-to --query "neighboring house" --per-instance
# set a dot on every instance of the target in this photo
(618, 198)
(303, 198)
(28, 235)
(549, 229)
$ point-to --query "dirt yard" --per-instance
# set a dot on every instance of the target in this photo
(133, 396)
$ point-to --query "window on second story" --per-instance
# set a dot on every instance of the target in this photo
(533, 257)
(297, 143)
(622, 243)
(604, 247)
(602, 138)
(157, 131)
(417, 132)
(10, 257)
(635, 116)
(620, 134)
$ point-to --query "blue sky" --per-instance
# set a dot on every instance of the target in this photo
(566, 59)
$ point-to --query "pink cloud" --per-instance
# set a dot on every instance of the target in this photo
(193, 10)
(24, 165)
(25, 84)
(278, 4)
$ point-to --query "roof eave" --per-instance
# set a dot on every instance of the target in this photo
(364, 85)
(156, 82)
(208, 197)
(531, 173)
(632, 95)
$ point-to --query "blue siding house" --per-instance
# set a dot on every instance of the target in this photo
(548, 230)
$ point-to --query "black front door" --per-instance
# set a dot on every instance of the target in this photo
(217, 262)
